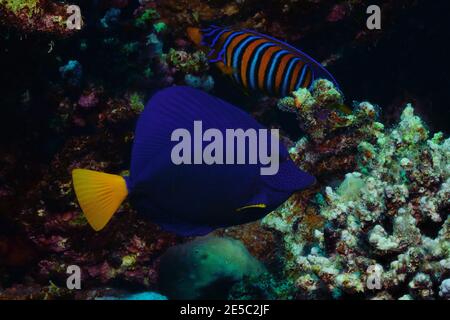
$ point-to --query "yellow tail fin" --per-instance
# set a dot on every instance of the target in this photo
(99, 195)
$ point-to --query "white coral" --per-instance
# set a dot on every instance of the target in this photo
(402, 183)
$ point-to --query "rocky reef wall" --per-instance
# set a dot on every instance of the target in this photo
(70, 98)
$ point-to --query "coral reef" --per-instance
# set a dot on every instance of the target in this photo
(40, 16)
(331, 135)
(387, 219)
(72, 72)
(70, 99)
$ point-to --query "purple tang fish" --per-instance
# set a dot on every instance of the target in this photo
(196, 189)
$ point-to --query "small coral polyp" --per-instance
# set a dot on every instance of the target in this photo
(391, 213)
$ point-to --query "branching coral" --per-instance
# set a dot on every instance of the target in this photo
(392, 215)
(331, 136)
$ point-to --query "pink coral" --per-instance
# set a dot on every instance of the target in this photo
(338, 13)
(88, 100)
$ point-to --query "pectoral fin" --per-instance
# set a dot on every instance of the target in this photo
(252, 206)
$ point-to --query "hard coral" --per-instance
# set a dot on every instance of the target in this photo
(391, 214)
(331, 136)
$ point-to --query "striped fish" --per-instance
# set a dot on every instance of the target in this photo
(259, 62)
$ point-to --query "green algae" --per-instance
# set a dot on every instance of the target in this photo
(129, 260)
(136, 103)
(16, 6)
(160, 27)
(146, 17)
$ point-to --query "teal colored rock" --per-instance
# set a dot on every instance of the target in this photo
(148, 295)
(206, 268)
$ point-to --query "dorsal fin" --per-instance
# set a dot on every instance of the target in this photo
(178, 107)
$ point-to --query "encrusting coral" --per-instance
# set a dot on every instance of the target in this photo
(389, 219)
